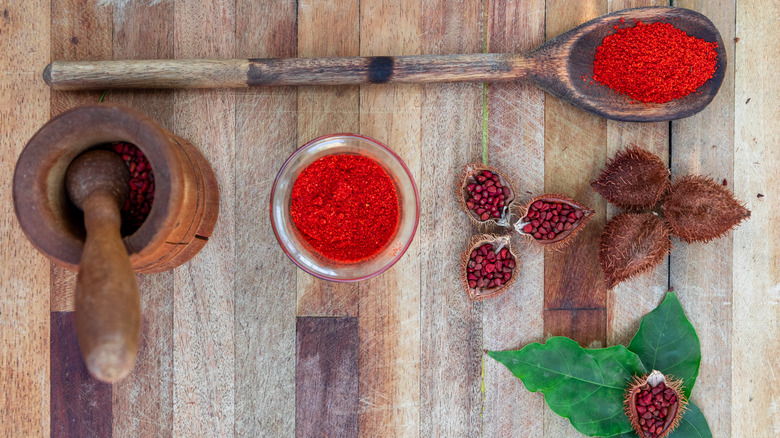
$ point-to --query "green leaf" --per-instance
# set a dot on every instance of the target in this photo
(692, 425)
(585, 386)
(666, 341)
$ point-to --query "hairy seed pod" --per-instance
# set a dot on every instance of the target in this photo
(633, 179)
(488, 266)
(552, 220)
(631, 244)
(485, 195)
(698, 209)
(654, 404)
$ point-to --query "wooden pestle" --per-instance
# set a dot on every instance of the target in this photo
(108, 307)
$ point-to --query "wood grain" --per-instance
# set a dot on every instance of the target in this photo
(24, 273)
(389, 305)
(80, 405)
(575, 148)
(326, 377)
(265, 291)
(450, 324)
(80, 30)
(629, 301)
(203, 325)
(327, 29)
(515, 130)
(143, 403)
(756, 263)
(702, 273)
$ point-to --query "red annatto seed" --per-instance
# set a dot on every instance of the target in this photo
(141, 196)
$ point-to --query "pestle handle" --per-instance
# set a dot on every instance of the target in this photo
(237, 73)
(108, 307)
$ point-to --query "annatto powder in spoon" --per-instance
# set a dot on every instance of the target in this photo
(654, 62)
(345, 206)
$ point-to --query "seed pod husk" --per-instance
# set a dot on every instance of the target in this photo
(631, 244)
(485, 194)
(699, 210)
(541, 218)
(489, 266)
(633, 179)
(654, 404)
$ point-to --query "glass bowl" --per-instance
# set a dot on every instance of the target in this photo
(300, 252)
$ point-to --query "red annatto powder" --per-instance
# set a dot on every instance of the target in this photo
(345, 206)
(654, 62)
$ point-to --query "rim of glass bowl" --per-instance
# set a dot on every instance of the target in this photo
(416, 202)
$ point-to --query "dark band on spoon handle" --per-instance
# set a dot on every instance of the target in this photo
(239, 73)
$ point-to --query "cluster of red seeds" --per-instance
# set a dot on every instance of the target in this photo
(545, 220)
(653, 405)
(139, 201)
(488, 269)
(486, 195)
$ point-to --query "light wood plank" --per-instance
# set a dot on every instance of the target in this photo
(81, 30)
(451, 325)
(204, 287)
(389, 305)
(266, 126)
(755, 390)
(327, 29)
(515, 128)
(24, 273)
(629, 301)
(143, 402)
(326, 380)
(575, 149)
(702, 273)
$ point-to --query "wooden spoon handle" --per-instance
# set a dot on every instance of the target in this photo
(237, 73)
(108, 306)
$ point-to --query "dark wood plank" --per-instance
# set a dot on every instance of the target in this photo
(450, 324)
(326, 377)
(24, 272)
(587, 327)
(80, 405)
(265, 290)
(515, 131)
(327, 29)
(702, 274)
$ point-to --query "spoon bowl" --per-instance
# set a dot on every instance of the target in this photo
(569, 56)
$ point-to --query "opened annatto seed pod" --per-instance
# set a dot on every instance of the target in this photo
(485, 194)
(552, 219)
(489, 266)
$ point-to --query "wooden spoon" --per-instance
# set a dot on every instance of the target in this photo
(557, 67)
(108, 307)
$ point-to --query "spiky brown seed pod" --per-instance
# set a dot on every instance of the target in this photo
(633, 179)
(552, 220)
(631, 244)
(485, 194)
(654, 404)
(488, 266)
(698, 209)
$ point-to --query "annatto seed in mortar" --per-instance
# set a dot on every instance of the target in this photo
(345, 206)
(139, 201)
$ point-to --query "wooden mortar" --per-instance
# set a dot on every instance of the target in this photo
(186, 200)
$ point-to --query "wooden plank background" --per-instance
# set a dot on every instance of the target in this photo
(239, 342)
